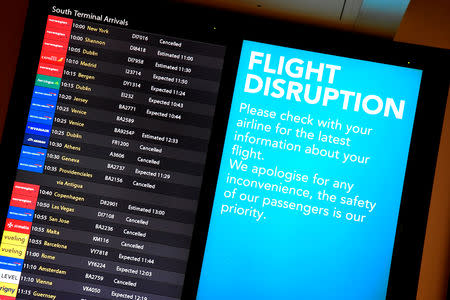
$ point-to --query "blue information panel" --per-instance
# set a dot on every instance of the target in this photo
(311, 177)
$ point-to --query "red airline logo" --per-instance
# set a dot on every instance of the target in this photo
(59, 24)
(18, 226)
(26, 189)
(24, 195)
(55, 47)
(50, 70)
(56, 35)
(51, 58)
(23, 201)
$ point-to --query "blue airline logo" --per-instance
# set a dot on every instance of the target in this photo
(10, 263)
(30, 165)
(32, 159)
(45, 93)
(38, 129)
(43, 105)
(38, 116)
(36, 140)
(19, 213)
(37, 154)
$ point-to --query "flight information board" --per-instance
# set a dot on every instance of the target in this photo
(110, 170)
(174, 151)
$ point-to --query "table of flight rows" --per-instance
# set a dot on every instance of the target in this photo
(112, 163)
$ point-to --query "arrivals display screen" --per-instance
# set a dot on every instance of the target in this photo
(172, 151)
(109, 174)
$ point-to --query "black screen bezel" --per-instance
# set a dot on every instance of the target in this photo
(230, 29)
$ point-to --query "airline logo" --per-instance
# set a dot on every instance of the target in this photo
(32, 159)
(36, 140)
(38, 154)
(59, 23)
(11, 263)
(30, 165)
(39, 129)
(56, 34)
(43, 105)
(27, 189)
(13, 251)
(24, 195)
(50, 95)
(23, 201)
(54, 46)
(15, 239)
(48, 81)
(50, 70)
(18, 226)
(52, 58)
(8, 289)
(19, 213)
(38, 116)
(9, 276)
